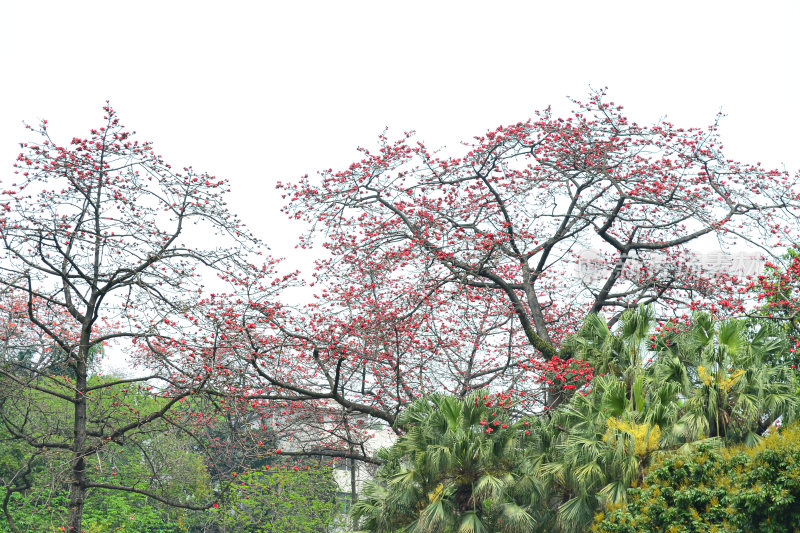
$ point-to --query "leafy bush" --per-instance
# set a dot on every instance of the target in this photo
(282, 500)
(717, 489)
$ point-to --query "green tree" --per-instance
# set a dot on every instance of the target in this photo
(593, 448)
(162, 461)
(737, 392)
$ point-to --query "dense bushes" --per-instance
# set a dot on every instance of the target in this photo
(717, 489)
(282, 500)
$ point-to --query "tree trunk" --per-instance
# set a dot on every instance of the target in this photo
(77, 492)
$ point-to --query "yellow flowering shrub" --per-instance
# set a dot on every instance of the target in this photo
(734, 489)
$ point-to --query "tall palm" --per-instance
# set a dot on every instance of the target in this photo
(737, 393)
(622, 354)
(453, 471)
(605, 441)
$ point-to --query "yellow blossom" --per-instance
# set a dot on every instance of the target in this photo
(731, 381)
(705, 377)
(645, 437)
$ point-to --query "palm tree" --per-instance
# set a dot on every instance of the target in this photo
(462, 466)
(453, 471)
(737, 392)
(605, 440)
(656, 392)
(621, 354)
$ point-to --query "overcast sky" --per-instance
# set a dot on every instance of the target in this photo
(265, 91)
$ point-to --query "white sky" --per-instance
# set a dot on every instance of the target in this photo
(266, 91)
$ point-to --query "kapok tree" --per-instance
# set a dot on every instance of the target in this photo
(325, 373)
(495, 236)
(106, 243)
(777, 296)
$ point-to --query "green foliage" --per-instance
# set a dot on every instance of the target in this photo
(593, 448)
(737, 391)
(132, 513)
(658, 390)
(704, 383)
(728, 489)
(459, 467)
(281, 500)
(161, 460)
(121, 512)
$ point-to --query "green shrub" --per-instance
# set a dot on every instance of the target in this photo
(717, 489)
(282, 500)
